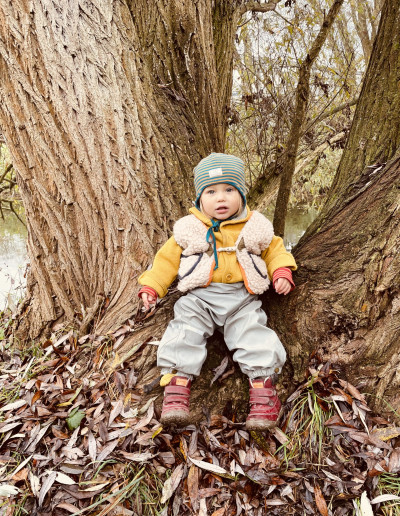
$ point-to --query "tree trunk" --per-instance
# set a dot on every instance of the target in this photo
(106, 108)
(302, 96)
(375, 133)
(346, 304)
(359, 16)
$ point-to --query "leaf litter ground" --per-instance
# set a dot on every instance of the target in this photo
(89, 444)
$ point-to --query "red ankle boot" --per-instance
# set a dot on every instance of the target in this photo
(175, 409)
(264, 405)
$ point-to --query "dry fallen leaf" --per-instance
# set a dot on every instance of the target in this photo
(20, 466)
(386, 433)
(95, 487)
(48, 482)
(67, 507)
(8, 490)
(386, 498)
(36, 396)
(219, 512)
(145, 420)
(21, 475)
(62, 478)
(7, 427)
(14, 405)
(320, 501)
(105, 452)
(92, 446)
(116, 411)
(138, 457)
(172, 483)
(394, 461)
(365, 505)
(34, 483)
(59, 433)
(193, 486)
(211, 467)
(220, 369)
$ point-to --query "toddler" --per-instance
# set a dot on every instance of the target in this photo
(223, 255)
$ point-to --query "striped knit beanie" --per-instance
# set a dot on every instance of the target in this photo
(219, 168)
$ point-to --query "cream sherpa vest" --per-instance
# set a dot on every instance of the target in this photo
(197, 261)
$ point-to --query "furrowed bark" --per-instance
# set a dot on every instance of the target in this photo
(106, 108)
(346, 305)
(375, 133)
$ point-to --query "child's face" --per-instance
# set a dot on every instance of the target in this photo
(220, 201)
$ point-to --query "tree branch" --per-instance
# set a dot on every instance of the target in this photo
(15, 213)
(256, 7)
(327, 114)
(6, 171)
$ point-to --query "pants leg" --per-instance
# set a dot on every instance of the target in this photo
(257, 349)
(183, 345)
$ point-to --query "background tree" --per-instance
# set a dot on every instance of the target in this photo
(270, 53)
(9, 199)
(298, 119)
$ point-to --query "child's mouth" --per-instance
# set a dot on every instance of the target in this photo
(221, 209)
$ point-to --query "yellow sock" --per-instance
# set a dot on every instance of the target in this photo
(166, 378)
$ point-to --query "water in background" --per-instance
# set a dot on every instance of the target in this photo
(12, 260)
(297, 222)
(13, 256)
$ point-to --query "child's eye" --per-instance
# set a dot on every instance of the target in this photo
(210, 191)
(229, 189)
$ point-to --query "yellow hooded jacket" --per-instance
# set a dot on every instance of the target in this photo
(166, 262)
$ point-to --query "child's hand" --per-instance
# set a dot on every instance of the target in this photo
(148, 296)
(148, 300)
(283, 286)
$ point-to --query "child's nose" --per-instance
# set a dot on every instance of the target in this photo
(221, 196)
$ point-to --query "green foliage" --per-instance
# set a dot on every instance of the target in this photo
(75, 417)
(390, 484)
(313, 182)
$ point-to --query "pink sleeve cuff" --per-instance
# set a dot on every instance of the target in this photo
(147, 290)
(283, 272)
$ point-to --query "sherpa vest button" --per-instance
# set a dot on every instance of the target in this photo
(229, 277)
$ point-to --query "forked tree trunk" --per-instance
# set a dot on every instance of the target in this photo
(346, 305)
(347, 301)
(106, 107)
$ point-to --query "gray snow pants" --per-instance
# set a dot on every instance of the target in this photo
(231, 309)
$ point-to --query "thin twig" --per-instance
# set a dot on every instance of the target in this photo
(15, 213)
(7, 170)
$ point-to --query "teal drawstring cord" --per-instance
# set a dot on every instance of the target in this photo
(210, 233)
